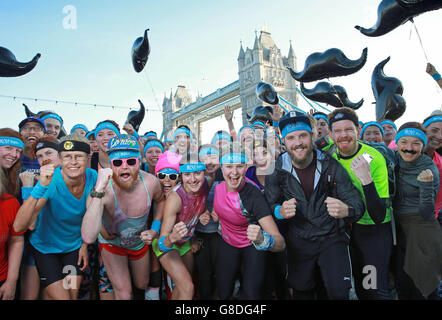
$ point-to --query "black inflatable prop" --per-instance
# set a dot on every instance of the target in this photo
(266, 93)
(330, 63)
(388, 94)
(393, 13)
(136, 117)
(335, 96)
(261, 112)
(10, 67)
(140, 52)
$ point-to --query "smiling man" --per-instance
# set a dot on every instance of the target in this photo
(313, 195)
(367, 169)
(31, 129)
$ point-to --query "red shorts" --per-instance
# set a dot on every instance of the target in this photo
(131, 254)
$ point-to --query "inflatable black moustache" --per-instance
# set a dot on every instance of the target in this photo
(260, 112)
(10, 67)
(136, 117)
(140, 52)
(335, 96)
(266, 93)
(388, 92)
(393, 13)
(39, 114)
(409, 151)
(330, 63)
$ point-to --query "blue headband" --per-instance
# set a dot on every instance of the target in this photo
(221, 136)
(106, 125)
(11, 141)
(90, 133)
(239, 131)
(152, 143)
(412, 132)
(389, 122)
(78, 126)
(150, 134)
(168, 171)
(295, 127)
(208, 150)
(259, 123)
(182, 130)
(233, 158)
(371, 123)
(124, 154)
(432, 120)
(53, 116)
(192, 167)
(320, 116)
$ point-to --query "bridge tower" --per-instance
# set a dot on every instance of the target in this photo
(264, 62)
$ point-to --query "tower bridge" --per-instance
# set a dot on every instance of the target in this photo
(264, 62)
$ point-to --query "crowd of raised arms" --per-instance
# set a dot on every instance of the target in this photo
(291, 206)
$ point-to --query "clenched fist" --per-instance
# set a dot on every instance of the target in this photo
(288, 209)
(336, 208)
(27, 178)
(104, 175)
(46, 174)
(425, 176)
(148, 236)
(254, 233)
(179, 231)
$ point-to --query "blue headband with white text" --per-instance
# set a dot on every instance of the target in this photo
(12, 142)
(412, 132)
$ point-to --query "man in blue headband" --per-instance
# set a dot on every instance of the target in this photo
(53, 122)
(31, 129)
(368, 172)
(120, 205)
(314, 196)
(321, 124)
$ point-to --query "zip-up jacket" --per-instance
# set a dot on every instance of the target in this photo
(312, 220)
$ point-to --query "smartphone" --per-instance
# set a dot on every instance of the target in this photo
(367, 157)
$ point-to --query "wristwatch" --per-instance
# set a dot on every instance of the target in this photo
(95, 194)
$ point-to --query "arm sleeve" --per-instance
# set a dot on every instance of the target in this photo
(376, 206)
(347, 193)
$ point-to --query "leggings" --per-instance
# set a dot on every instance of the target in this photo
(205, 264)
(229, 261)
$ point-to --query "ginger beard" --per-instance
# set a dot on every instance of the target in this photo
(125, 177)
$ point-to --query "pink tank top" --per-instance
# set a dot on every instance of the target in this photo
(191, 208)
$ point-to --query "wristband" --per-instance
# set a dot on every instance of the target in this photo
(277, 214)
(267, 244)
(26, 192)
(38, 191)
(275, 123)
(156, 225)
(162, 246)
(436, 76)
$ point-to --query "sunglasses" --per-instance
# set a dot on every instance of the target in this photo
(171, 176)
(130, 162)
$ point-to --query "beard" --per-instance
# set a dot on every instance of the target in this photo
(129, 184)
(302, 162)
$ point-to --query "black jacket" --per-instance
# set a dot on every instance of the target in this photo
(312, 221)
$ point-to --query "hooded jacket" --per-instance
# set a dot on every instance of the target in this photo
(312, 220)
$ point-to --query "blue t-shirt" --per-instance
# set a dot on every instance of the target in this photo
(58, 228)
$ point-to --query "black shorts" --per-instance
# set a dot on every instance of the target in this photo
(53, 267)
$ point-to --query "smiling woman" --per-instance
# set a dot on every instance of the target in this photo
(11, 147)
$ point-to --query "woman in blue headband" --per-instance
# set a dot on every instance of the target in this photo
(182, 138)
(81, 129)
(419, 238)
(53, 123)
(181, 214)
(247, 228)
(151, 152)
(104, 131)
(372, 131)
(390, 131)
(11, 148)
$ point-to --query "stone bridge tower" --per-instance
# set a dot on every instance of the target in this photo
(265, 63)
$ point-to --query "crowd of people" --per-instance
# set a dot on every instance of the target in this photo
(291, 206)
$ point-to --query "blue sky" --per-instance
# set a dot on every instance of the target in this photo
(196, 43)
